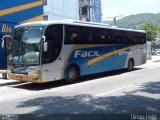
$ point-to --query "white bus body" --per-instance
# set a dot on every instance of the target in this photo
(52, 50)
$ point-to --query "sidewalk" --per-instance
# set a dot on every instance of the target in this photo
(155, 58)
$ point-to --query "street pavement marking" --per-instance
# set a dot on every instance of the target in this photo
(103, 94)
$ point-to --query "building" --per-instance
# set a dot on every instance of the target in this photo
(90, 10)
(17, 12)
(22, 11)
(61, 9)
(84, 10)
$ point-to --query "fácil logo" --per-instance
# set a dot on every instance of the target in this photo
(84, 54)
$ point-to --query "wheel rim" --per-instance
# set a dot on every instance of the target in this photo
(72, 74)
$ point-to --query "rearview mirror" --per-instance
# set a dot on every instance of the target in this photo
(43, 38)
(45, 46)
(6, 40)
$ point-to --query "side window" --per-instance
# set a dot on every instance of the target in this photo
(110, 37)
(87, 35)
(72, 34)
(121, 37)
(54, 36)
(130, 38)
(78, 35)
(91, 35)
(101, 36)
(141, 38)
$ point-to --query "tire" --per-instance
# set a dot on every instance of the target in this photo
(72, 75)
(130, 65)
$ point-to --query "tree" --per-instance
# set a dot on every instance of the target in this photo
(151, 29)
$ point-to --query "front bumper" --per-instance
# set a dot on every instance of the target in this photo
(35, 78)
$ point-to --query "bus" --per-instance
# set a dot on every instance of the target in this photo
(46, 51)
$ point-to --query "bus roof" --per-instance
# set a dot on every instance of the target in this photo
(77, 23)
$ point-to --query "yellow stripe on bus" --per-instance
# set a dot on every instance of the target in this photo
(97, 59)
(20, 8)
(37, 18)
(79, 47)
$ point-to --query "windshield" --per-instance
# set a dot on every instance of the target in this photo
(25, 47)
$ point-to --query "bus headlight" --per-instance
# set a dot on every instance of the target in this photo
(33, 70)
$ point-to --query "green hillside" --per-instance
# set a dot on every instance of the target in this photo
(133, 21)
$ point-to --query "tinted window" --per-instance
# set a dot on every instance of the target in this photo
(91, 35)
(140, 38)
(78, 35)
(54, 36)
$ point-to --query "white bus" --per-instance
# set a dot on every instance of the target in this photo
(52, 50)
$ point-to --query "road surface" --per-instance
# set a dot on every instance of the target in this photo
(117, 92)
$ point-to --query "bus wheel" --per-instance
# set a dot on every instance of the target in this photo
(72, 75)
(130, 65)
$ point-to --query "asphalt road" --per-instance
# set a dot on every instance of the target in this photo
(117, 92)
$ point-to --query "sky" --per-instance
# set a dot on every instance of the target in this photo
(121, 8)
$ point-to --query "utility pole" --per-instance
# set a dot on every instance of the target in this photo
(114, 18)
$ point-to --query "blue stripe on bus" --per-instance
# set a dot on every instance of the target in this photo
(23, 15)
(113, 62)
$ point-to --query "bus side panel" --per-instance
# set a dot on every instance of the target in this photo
(120, 59)
(52, 71)
(82, 55)
(55, 70)
(139, 55)
(98, 59)
(86, 58)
